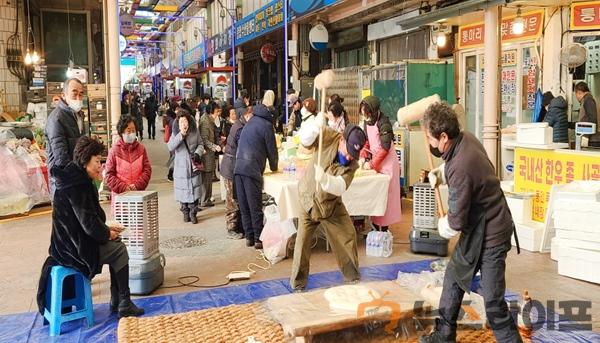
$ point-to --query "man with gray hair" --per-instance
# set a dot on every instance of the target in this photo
(64, 127)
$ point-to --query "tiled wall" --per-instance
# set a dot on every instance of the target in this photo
(8, 82)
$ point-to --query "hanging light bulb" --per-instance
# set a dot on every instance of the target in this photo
(441, 40)
(28, 58)
(35, 58)
(518, 26)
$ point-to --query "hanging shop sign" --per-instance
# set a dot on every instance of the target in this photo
(221, 86)
(471, 36)
(267, 53)
(127, 24)
(585, 15)
(536, 171)
(122, 43)
(220, 42)
(175, 71)
(270, 17)
(195, 55)
(318, 37)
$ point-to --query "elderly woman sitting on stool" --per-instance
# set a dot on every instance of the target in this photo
(80, 238)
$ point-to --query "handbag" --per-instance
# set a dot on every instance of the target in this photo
(196, 161)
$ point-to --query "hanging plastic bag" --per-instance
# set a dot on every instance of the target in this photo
(275, 234)
(537, 108)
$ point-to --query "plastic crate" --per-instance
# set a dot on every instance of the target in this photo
(424, 206)
(138, 212)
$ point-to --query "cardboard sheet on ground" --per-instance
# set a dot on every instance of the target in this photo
(307, 314)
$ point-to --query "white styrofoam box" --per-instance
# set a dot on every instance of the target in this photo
(580, 190)
(576, 220)
(580, 264)
(530, 235)
(507, 186)
(575, 243)
(534, 133)
(554, 246)
(578, 235)
(520, 207)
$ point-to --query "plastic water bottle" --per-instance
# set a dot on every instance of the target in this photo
(293, 171)
(380, 244)
(286, 170)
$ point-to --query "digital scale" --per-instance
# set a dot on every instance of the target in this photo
(581, 129)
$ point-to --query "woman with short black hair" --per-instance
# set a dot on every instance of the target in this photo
(80, 238)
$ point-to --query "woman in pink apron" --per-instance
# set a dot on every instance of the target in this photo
(379, 154)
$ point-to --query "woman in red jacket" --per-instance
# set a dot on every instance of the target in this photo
(127, 166)
(379, 154)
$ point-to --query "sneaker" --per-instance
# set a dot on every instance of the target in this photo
(234, 235)
(437, 337)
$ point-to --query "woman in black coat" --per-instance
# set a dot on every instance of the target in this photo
(80, 238)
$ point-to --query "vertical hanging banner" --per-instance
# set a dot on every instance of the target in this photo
(585, 15)
(472, 36)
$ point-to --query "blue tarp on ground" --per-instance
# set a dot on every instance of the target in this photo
(28, 327)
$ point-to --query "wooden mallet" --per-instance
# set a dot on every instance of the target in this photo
(323, 81)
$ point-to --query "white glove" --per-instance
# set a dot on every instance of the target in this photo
(437, 176)
(444, 228)
(334, 185)
(319, 173)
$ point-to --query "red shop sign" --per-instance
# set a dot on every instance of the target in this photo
(471, 36)
(585, 15)
(267, 53)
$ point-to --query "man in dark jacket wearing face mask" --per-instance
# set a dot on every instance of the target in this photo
(64, 127)
(479, 213)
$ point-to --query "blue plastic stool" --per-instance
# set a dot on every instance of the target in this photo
(55, 303)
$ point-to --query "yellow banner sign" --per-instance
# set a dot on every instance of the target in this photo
(537, 170)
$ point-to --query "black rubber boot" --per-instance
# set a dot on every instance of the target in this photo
(193, 212)
(126, 307)
(114, 292)
(186, 212)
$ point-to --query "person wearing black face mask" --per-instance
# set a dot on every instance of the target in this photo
(380, 155)
(435, 151)
(321, 191)
(478, 212)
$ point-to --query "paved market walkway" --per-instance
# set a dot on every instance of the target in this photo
(24, 245)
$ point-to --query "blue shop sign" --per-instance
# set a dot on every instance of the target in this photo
(195, 55)
(270, 17)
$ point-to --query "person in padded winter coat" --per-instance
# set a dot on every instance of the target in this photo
(232, 209)
(556, 117)
(207, 132)
(127, 165)
(255, 146)
(186, 144)
(379, 154)
(80, 238)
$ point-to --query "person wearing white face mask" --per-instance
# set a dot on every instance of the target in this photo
(64, 127)
(127, 165)
(337, 117)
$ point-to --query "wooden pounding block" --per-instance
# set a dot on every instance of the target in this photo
(303, 315)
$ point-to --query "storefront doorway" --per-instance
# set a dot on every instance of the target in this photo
(519, 76)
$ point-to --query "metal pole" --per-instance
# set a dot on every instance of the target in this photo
(285, 56)
(233, 61)
(114, 62)
(491, 82)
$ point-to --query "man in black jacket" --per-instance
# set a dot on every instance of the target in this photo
(64, 127)
(479, 213)
(255, 146)
(151, 108)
